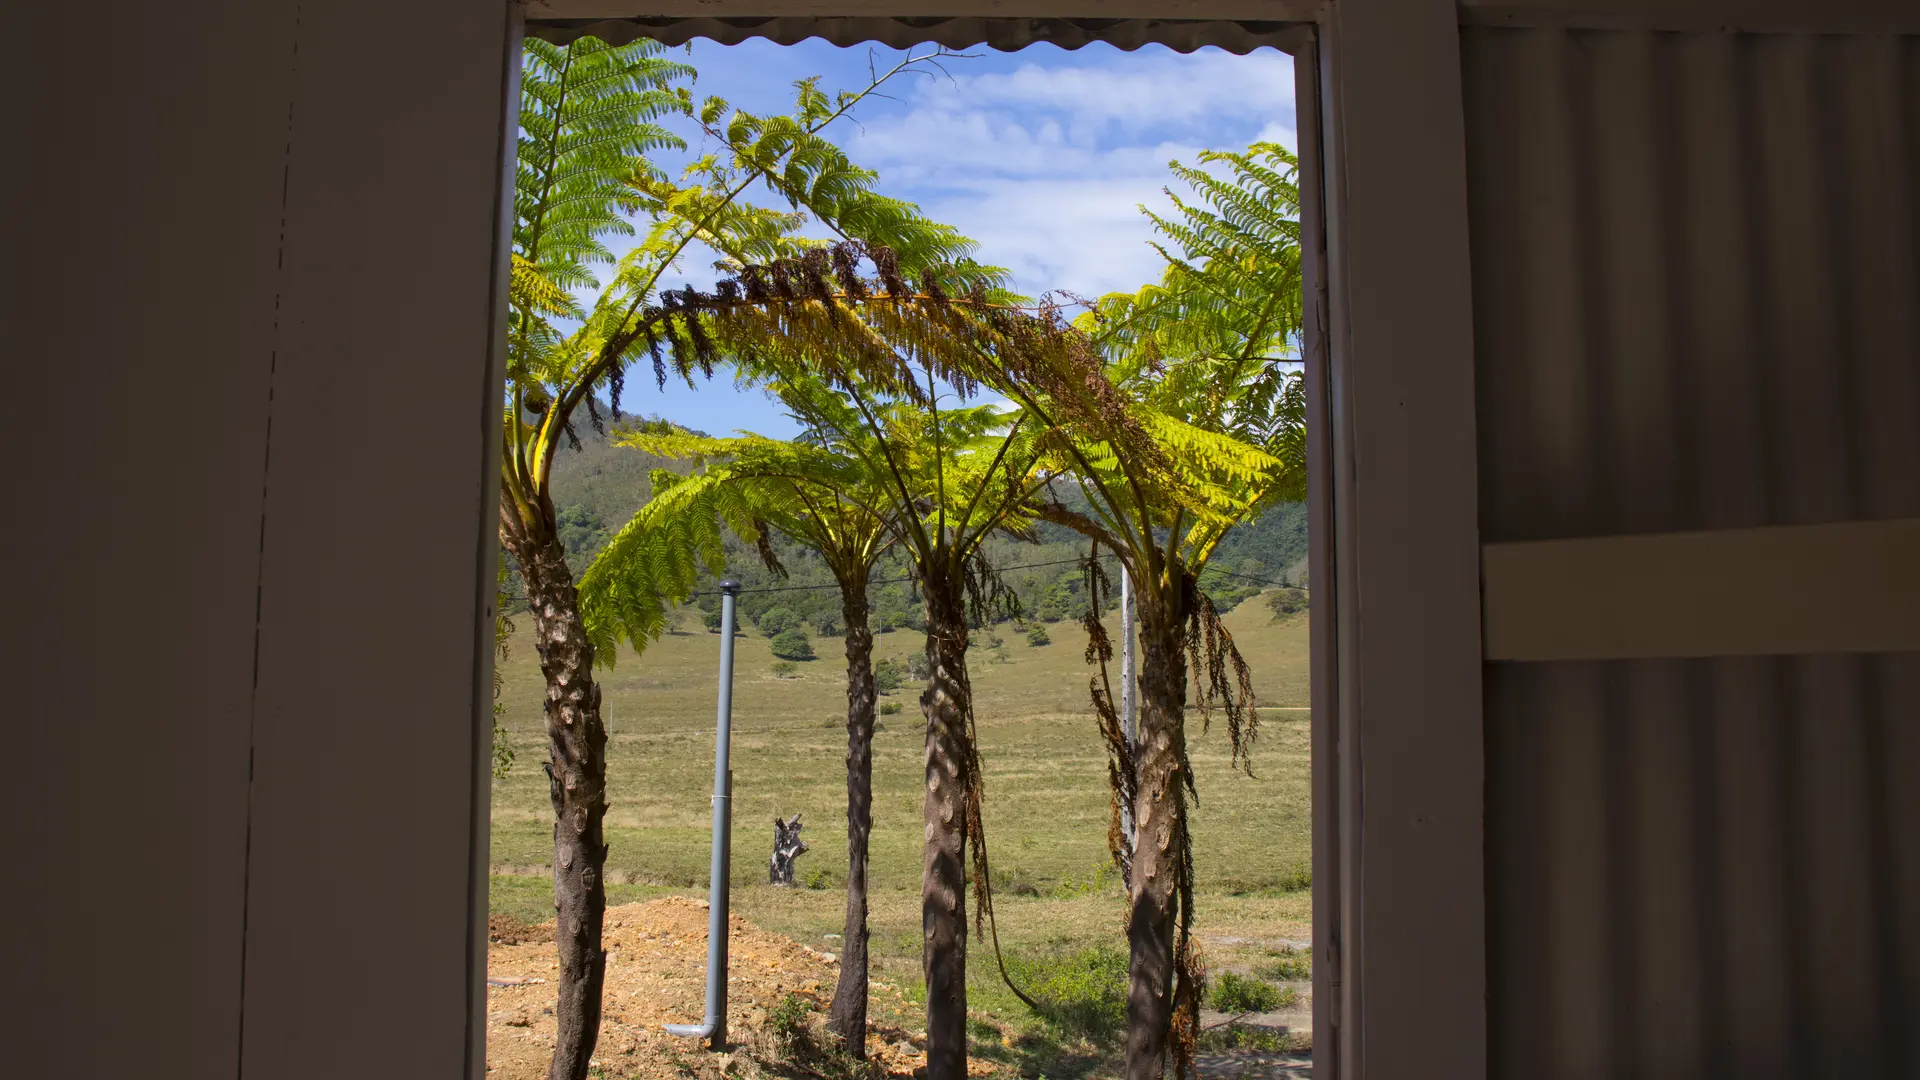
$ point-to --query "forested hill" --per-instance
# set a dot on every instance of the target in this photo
(599, 486)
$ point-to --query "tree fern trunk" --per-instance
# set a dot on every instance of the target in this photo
(943, 886)
(1159, 805)
(848, 1015)
(577, 771)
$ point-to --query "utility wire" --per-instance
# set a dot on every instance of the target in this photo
(1249, 577)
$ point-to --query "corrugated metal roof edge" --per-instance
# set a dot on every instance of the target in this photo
(1006, 35)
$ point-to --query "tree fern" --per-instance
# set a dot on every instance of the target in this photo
(1214, 335)
(588, 120)
(591, 113)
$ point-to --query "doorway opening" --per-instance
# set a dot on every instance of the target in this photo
(929, 350)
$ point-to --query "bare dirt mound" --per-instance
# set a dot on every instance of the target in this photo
(656, 974)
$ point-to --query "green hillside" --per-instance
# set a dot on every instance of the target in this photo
(598, 487)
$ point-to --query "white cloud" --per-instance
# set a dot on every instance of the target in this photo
(1079, 235)
(1136, 90)
(1047, 166)
(1126, 116)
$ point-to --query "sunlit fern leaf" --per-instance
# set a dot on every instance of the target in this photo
(1211, 339)
(806, 492)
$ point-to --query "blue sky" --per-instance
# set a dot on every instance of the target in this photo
(1043, 156)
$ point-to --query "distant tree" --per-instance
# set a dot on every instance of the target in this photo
(1284, 602)
(1037, 635)
(1059, 600)
(886, 676)
(785, 669)
(581, 533)
(791, 645)
(777, 620)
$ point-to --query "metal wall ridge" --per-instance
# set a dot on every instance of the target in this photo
(1004, 34)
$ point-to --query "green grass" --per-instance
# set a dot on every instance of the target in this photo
(1236, 993)
(1287, 965)
(1046, 810)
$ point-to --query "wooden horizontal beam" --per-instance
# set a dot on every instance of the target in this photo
(1849, 587)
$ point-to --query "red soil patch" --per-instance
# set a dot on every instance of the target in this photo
(656, 972)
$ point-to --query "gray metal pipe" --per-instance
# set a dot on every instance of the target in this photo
(714, 1027)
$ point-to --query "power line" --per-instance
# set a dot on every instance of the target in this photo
(1249, 577)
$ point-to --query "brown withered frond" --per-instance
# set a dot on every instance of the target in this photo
(988, 594)
(763, 546)
(1221, 678)
(1122, 772)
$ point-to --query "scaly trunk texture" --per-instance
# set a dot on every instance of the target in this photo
(943, 884)
(1158, 804)
(848, 1015)
(577, 781)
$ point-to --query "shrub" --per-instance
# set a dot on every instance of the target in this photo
(785, 669)
(1248, 1037)
(1037, 635)
(1234, 993)
(787, 1022)
(820, 878)
(1083, 992)
(777, 620)
(791, 645)
(887, 676)
(918, 667)
(1297, 878)
(1284, 602)
(888, 708)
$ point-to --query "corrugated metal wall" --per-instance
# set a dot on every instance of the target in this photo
(1696, 265)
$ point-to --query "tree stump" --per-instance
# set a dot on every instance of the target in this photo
(787, 846)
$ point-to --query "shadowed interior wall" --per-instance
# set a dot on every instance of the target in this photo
(247, 334)
(368, 826)
(1696, 267)
(137, 341)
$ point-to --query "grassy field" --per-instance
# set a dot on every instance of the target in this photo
(1046, 809)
